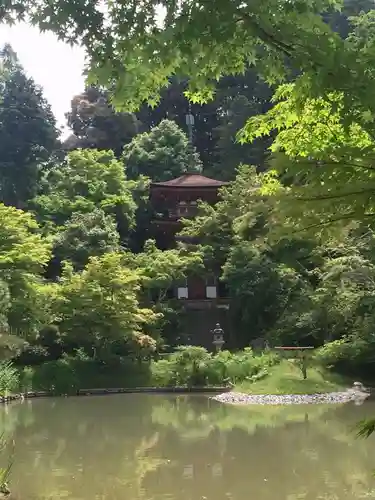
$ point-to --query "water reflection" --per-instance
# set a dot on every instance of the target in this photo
(158, 447)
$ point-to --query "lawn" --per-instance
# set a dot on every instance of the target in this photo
(286, 378)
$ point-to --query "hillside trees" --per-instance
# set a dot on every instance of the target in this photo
(320, 126)
(217, 121)
(95, 124)
(234, 240)
(281, 40)
(28, 133)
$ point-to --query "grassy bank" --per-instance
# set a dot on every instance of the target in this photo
(286, 378)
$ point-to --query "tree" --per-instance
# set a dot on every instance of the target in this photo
(240, 212)
(261, 289)
(215, 121)
(23, 257)
(28, 133)
(4, 306)
(95, 124)
(230, 153)
(344, 306)
(22, 249)
(325, 163)
(87, 180)
(237, 98)
(267, 281)
(162, 269)
(174, 106)
(205, 40)
(86, 235)
(99, 307)
(161, 154)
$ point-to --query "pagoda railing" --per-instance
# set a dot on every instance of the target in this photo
(176, 214)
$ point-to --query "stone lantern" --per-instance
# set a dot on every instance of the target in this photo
(218, 340)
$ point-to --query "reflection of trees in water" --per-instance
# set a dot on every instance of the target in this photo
(155, 447)
(94, 445)
(14, 416)
(269, 450)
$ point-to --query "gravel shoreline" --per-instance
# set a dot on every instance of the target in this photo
(237, 398)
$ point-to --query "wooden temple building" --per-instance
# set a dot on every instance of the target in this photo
(203, 297)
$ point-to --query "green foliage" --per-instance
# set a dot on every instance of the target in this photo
(216, 122)
(229, 152)
(4, 305)
(325, 162)
(241, 365)
(366, 428)
(261, 289)
(161, 154)
(22, 249)
(5, 471)
(9, 378)
(194, 366)
(160, 270)
(59, 377)
(87, 180)
(28, 134)
(99, 307)
(239, 212)
(352, 354)
(23, 256)
(69, 374)
(134, 52)
(86, 235)
(188, 365)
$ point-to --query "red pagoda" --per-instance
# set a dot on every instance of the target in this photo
(179, 198)
(171, 201)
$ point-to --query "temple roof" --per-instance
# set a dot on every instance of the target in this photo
(190, 181)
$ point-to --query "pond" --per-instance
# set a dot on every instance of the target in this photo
(155, 447)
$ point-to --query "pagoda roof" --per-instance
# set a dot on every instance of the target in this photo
(190, 180)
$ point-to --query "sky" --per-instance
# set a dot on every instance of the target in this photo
(54, 65)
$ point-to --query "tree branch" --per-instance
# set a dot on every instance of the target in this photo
(336, 196)
(330, 221)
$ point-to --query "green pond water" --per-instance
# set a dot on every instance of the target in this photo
(156, 447)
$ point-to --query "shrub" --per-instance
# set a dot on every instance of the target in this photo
(9, 378)
(239, 366)
(26, 379)
(191, 365)
(32, 355)
(58, 377)
(351, 355)
(68, 374)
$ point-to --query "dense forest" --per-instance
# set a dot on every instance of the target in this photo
(292, 236)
